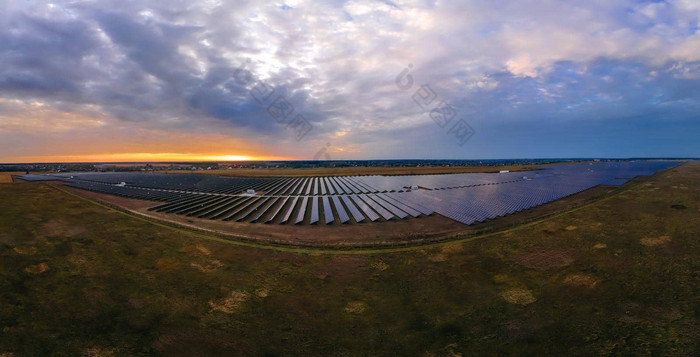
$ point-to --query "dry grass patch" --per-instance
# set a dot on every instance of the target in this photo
(209, 267)
(197, 250)
(342, 267)
(518, 296)
(448, 351)
(651, 242)
(80, 262)
(584, 280)
(99, 352)
(440, 257)
(600, 246)
(501, 278)
(455, 247)
(6, 177)
(6, 238)
(25, 250)
(137, 303)
(37, 269)
(451, 248)
(667, 314)
(59, 228)
(355, 307)
(380, 265)
(166, 263)
(571, 228)
(231, 303)
(547, 259)
(262, 293)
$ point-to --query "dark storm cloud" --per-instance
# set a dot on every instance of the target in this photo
(173, 65)
(132, 67)
(43, 56)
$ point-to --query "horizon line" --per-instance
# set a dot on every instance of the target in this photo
(343, 160)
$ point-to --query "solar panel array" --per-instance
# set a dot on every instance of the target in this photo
(466, 198)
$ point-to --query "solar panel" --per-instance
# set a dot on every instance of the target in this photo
(176, 205)
(252, 209)
(342, 185)
(335, 185)
(260, 212)
(302, 210)
(376, 207)
(204, 205)
(296, 186)
(327, 212)
(230, 208)
(400, 205)
(288, 212)
(193, 203)
(342, 215)
(276, 211)
(314, 210)
(371, 215)
(466, 198)
(331, 189)
(322, 182)
(282, 187)
(309, 185)
(242, 208)
(217, 208)
(394, 210)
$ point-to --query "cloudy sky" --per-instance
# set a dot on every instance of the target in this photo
(164, 80)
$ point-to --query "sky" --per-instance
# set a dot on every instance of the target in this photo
(212, 80)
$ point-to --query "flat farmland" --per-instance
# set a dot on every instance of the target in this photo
(615, 277)
(6, 177)
(352, 171)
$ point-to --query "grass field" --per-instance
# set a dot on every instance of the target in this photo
(351, 171)
(617, 277)
(6, 177)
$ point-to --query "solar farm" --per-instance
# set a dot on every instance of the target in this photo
(465, 198)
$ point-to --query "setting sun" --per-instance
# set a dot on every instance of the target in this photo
(229, 158)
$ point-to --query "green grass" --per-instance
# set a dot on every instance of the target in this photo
(118, 285)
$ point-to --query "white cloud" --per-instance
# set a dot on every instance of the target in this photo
(171, 64)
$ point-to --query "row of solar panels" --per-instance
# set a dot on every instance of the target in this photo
(288, 185)
(294, 209)
(479, 203)
(466, 198)
(134, 192)
(233, 185)
(268, 209)
(602, 172)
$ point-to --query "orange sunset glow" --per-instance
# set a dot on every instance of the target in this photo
(148, 157)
